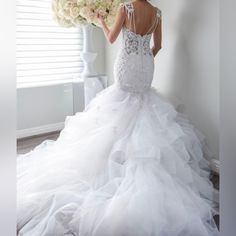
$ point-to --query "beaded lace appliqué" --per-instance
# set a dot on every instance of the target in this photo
(136, 44)
(131, 44)
(134, 66)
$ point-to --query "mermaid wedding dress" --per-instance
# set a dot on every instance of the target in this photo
(129, 165)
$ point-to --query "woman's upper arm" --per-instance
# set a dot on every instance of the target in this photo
(157, 34)
(119, 22)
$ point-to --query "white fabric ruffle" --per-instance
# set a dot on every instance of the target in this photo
(129, 165)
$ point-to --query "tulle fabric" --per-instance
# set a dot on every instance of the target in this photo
(129, 165)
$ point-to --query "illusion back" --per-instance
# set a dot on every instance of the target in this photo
(134, 65)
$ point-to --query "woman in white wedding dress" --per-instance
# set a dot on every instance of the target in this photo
(129, 165)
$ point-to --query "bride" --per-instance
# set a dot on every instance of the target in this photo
(129, 165)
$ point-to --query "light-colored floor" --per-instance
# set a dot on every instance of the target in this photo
(27, 144)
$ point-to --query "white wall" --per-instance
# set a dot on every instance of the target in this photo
(187, 66)
(40, 108)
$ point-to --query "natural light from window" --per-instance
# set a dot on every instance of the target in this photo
(45, 51)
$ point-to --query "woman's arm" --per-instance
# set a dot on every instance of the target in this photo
(157, 38)
(112, 34)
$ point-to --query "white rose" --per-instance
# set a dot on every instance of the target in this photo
(101, 11)
(74, 12)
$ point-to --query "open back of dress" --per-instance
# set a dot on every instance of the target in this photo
(134, 66)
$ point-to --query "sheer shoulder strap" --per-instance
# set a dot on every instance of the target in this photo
(156, 22)
(128, 7)
(159, 15)
(130, 13)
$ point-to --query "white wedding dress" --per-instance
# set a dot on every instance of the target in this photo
(129, 165)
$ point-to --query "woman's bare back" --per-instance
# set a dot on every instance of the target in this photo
(139, 17)
(145, 16)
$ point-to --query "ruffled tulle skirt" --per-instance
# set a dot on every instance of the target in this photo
(129, 165)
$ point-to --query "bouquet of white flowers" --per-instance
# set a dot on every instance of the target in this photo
(70, 13)
(67, 13)
(106, 8)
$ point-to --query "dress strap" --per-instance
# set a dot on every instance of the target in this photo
(156, 23)
(130, 12)
(159, 15)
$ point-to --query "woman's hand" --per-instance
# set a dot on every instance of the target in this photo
(100, 19)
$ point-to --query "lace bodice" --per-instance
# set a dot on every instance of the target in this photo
(135, 43)
(134, 65)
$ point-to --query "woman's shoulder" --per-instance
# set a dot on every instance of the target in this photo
(158, 11)
(128, 6)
